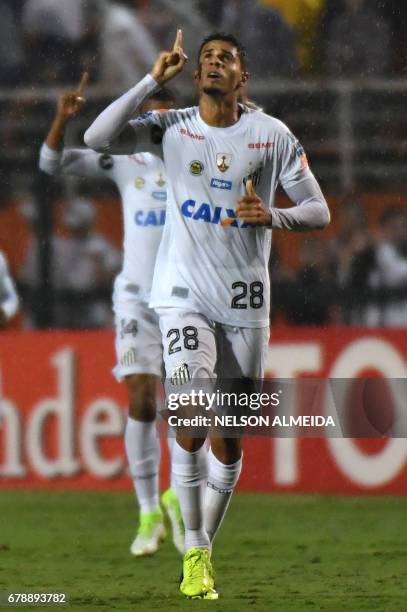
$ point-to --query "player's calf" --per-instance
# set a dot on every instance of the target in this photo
(141, 389)
(222, 479)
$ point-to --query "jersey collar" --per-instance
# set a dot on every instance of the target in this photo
(222, 130)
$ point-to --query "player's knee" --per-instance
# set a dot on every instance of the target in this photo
(226, 450)
(189, 444)
(141, 392)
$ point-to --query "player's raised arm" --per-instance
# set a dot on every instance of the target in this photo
(53, 157)
(170, 63)
(111, 132)
(69, 105)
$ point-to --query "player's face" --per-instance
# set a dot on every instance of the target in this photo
(220, 70)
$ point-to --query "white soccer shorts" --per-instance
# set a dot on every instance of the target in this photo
(138, 339)
(195, 347)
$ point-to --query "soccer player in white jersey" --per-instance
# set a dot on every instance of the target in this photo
(211, 285)
(8, 294)
(141, 181)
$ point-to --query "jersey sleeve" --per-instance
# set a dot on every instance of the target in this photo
(293, 161)
(148, 119)
(77, 162)
(110, 130)
(311, 211)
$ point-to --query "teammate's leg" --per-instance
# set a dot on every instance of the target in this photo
(139, 364)
(143, 454)
(170, 501)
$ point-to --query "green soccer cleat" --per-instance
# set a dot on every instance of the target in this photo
(151, 533)
(197, 572)
(170, 503)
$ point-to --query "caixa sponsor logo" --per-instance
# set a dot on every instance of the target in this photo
(150, 217)
(210, 214)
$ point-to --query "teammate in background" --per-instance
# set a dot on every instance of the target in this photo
(141, 182)
(8, 293)
(211, 284)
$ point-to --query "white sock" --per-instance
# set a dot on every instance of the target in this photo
(188, 473)
(222, 479)
(143, 454)
(171, 441)
(202, 458)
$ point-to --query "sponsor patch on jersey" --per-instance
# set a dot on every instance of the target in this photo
(260, 145)
(221, 184)
(208, 214)
(180, 375)
(144, 117)
(196, 167)
(139, 182)
(186, 132)
(129, 328)
(159, 195)
(181, 292)
(223, 161)
(145, 218)
(300, 153)
(106, 161)
(160, 180)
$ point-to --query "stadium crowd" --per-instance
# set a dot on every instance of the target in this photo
(356, 276)
(44, 41)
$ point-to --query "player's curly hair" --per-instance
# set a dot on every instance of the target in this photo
(230, 38)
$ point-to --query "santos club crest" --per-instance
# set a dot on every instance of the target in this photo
(223, 161)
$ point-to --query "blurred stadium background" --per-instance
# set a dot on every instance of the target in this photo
(336, 72)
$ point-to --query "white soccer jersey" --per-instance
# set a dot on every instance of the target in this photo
(141, 181)
(220, 271)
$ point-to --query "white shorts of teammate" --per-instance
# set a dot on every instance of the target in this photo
(196, 348)
(138, 338)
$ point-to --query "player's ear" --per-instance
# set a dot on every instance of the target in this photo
(197, 73)
(245, 77)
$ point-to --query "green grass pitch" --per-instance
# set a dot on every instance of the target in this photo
(275, 553)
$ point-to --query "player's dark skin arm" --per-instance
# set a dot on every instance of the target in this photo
(69, 104)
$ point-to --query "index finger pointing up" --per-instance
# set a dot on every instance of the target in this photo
(83, 82)
(178, 40)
